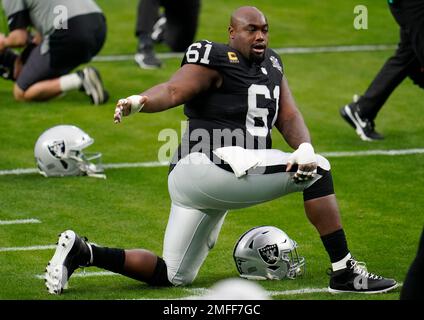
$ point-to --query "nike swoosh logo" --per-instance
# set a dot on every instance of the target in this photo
(361, 123)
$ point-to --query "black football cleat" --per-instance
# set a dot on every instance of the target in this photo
(92, 84)
(364, 127)
(146, 58)
(71, 253)
(355, 278)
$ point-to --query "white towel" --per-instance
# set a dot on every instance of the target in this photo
(239, 159)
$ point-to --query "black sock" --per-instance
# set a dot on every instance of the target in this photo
(336, 245)
(145, 41)
(108, 258)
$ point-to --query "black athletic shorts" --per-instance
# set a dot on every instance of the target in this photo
(69, 48)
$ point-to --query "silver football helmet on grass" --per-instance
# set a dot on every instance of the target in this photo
(267, 253)
(59, 152)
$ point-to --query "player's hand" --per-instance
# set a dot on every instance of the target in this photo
(128, 106)
(37, 38)
(305, 158)
(2, 42)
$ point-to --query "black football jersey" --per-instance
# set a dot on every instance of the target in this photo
(243, 110)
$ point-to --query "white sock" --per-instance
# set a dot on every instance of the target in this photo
(341, 264)
(70, 82)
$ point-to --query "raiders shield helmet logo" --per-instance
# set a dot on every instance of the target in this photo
(269, 253)
(57, 149)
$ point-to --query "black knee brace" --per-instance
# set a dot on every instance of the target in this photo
(321, 188)
(160, 275)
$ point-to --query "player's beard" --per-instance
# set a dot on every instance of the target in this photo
(257, 58)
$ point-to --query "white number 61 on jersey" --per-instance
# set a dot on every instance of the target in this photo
(192, 54)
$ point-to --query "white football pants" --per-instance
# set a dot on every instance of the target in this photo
(202, 193)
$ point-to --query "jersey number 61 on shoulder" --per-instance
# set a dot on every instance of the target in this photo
(192, 54)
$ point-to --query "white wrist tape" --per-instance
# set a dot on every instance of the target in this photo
(306, 146)
(304, 154)
(136, 106)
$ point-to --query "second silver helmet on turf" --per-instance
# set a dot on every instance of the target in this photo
(267, 253)
(59, 152)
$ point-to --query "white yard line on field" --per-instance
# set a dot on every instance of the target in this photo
(196, 293)
(135, 165)
(31, 248)
(20, 221)
(297, 291)
(85, 274)
(271, 294)
(335, 154)
(18, 171)
(341, 154)
(288, 50)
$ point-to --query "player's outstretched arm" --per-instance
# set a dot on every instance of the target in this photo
(184, 85)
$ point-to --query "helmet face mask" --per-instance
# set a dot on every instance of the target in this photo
(267, 253)
(91, 162)
(59, 152)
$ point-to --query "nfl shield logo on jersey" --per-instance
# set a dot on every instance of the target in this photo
(276, 64)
